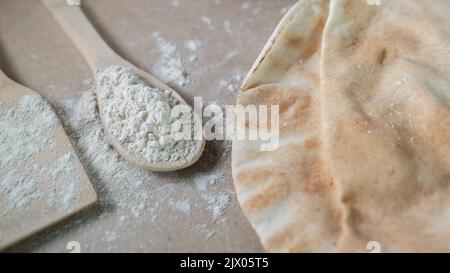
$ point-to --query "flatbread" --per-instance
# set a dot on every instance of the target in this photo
(288, 194)
(364, 95)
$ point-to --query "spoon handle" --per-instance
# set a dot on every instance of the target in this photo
(4, 80)
(81, 32)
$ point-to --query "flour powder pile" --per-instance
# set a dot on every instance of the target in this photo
(139, 116)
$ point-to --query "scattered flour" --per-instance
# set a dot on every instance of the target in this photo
(193, 58)
(245, 5)
(182, 206)
(193, 45)
(87, 82)
(170, 66)
(207, 21)
(203, 180)
(227, 26)
(231, 84)
(206, 230)
(139, 117)
(228, 86)
(138, 209)
(400, 82)
(110, 236)
(217, 202)
(64, 169)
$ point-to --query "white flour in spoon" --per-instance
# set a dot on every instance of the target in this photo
(139, 116)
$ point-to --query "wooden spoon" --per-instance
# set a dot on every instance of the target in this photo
(100, 56)
(16, 224)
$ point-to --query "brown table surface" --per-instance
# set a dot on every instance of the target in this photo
(35, 52)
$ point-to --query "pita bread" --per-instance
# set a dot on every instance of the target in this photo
(364, 129)
(288, 195)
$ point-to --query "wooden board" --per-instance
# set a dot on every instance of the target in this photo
(42, 181)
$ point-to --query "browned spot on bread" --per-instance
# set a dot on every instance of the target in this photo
(348, 198)
(280, 238)
(312, 143)
(319, 180)
(255, 176)
(355, 42)
(266, 197)
(293, 41)
(382, 56)
(294, 106)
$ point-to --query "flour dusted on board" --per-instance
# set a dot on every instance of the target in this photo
(27, 134)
